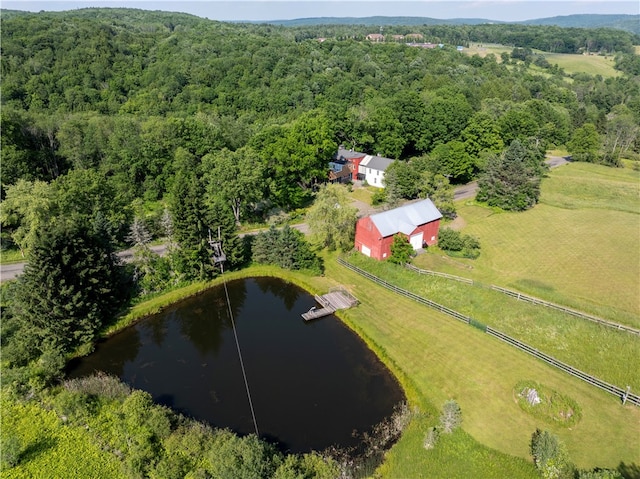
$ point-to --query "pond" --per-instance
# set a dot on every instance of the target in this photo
(312, 383)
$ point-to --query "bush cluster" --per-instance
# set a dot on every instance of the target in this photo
(455, 242)
(151, 441)
(286, 248)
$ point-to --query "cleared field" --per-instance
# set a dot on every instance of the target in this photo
(580, 247)
(608, 354)
(591, 64)
(571, 63)
(484, 49)
(441, 359)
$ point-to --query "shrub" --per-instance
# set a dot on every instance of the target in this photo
(10, 450)
(549, 456)
(378, 197)
(453, 241)
(431, 438)
(599, 474)
(99, 384)
(451, 416)
(401, 250)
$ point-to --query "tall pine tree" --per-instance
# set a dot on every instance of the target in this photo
(71, 286)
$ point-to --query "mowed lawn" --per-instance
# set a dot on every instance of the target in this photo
(441, 358)
(591, 64)
(579, 247)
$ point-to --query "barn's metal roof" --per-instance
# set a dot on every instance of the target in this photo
(407, 218)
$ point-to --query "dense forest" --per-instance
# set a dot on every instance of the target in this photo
(114, 112)
(120, 125)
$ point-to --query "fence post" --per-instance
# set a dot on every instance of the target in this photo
(626, 395)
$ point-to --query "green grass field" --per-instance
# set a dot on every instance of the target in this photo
(442, 358)
(591, 64)
(608, 354)
(579, 247)
(570, 63)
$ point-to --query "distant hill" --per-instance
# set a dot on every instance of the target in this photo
(377, 21)
(630, 23)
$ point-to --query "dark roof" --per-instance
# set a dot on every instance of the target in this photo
(344, 154)
(376, 162)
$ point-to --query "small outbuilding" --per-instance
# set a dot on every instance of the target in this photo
(418, 221)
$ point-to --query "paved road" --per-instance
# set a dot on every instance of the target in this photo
(465, 191)
(470, 189)
(10, 271)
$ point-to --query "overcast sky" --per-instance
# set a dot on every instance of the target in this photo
(505, 10)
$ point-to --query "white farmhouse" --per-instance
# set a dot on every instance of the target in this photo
(372, 169)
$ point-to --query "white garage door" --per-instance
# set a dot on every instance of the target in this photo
(416, 241)
(366, 251)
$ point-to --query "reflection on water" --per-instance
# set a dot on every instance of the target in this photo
(312, 384)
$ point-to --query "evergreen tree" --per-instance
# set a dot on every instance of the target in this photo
(286, 248)
(70, 288)
(186, 204)
(511, 181)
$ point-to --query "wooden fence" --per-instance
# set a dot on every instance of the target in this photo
(610, 388)
(623, 394)
(441, 275)
(573, 312)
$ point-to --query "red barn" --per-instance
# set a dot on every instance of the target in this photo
(419, 222)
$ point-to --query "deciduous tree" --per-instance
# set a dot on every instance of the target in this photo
(585, 144)
(235, 177)
(332, 219)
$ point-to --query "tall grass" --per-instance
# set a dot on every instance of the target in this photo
(49, 448)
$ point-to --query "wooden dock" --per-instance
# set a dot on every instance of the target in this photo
(337, 298)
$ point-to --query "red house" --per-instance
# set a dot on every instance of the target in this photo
(418, 221)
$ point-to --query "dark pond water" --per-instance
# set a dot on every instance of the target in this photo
(312, 383)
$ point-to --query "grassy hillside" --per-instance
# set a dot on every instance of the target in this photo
(580, 247)
(570, 63)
